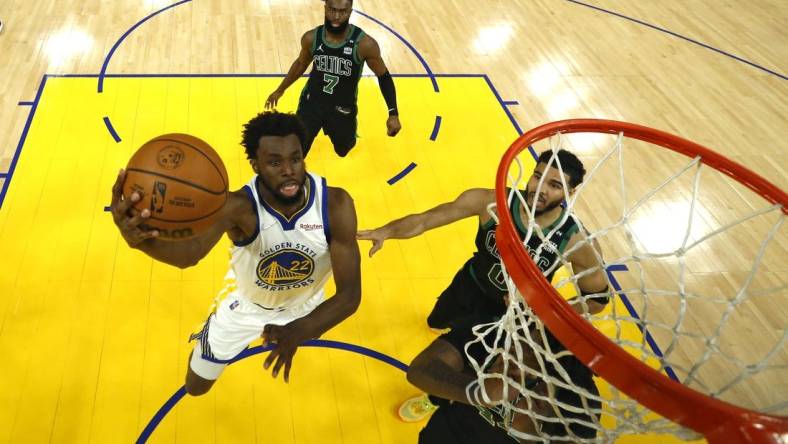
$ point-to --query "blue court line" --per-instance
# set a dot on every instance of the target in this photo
(666, 31)
(25, 103)
(510, 102)
(3, 175)
(10, 174)
(111, 129)
(631, 309)
(508, 113)
(436, 128)
(123, 37)
(401, 174)
(411, 47)
(181, 392)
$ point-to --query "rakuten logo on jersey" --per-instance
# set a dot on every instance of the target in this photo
(310, 227)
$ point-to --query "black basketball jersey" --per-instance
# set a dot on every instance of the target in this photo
(336, 69)
(485, 265)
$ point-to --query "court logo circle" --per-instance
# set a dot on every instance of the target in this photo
(285, 267)
(170, 157)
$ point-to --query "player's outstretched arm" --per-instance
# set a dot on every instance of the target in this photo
(346, 265)
(182, 253)
(298, 68)
(469, 203)
(369, 51)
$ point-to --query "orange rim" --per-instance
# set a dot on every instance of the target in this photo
(717, 420)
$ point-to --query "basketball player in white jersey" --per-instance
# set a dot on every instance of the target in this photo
(289, 230)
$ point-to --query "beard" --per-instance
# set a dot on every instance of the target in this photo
(337, 29)
(281, 198)
(549, 206)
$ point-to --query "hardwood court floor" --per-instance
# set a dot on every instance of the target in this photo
(94, 334)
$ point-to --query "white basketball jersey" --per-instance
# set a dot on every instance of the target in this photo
(287, 260)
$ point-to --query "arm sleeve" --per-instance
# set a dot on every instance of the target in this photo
(386, 84)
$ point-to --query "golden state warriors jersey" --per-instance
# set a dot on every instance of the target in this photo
(286, 261)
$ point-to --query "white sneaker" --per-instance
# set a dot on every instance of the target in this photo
(1, 26)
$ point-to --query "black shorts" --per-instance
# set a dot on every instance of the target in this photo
(337, 122)
(463, 298)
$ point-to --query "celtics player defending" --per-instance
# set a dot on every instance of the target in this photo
(289, 231)
(477, 290)
(337, 51)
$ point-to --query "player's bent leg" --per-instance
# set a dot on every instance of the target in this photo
(341, 126)
(201, 374)
(310, 115)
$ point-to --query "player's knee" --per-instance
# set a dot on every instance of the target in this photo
(197, 390)
(197, 386)
(437, 321)
(343, 150)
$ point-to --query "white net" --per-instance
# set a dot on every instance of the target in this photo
(697, 267)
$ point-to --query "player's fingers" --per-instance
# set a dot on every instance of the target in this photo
(280, 361)
(271, 357)
(288, 365)
(136, 219)
(270, 334)
(117, 188)
(266, 332)
(363, 234)
(126, 216)
(144, 235)
(376, 245)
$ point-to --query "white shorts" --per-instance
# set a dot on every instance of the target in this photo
(235, 324)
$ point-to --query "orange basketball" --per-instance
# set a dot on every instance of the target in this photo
(182, 181)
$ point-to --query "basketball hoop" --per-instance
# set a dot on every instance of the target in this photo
(719, 421)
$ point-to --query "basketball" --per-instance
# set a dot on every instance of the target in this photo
(182, 181)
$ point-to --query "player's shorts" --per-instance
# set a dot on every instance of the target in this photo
(233, 326)
(339, 123)
(463, 298)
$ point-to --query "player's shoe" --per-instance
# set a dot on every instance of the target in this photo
(439, 331)
(1, 26)
(417, 408)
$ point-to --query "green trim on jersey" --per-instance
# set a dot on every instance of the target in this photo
(338, 45)
(568, 235)
(524, 228)
(488, 224)
(355, 49)
(314, 42)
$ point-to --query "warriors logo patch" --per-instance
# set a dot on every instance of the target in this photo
(285, 269)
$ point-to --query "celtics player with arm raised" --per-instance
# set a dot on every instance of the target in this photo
(337, 51)
(289, 231)
(478, 288)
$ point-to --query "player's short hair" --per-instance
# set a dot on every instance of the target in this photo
(570, 164)
(271, 123)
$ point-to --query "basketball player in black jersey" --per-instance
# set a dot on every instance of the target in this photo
(477, 290)
(337, 51)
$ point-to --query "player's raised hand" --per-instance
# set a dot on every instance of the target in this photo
(287, 338)
(126, 218)
(393, 126)
(376, 236)
(273, 99)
